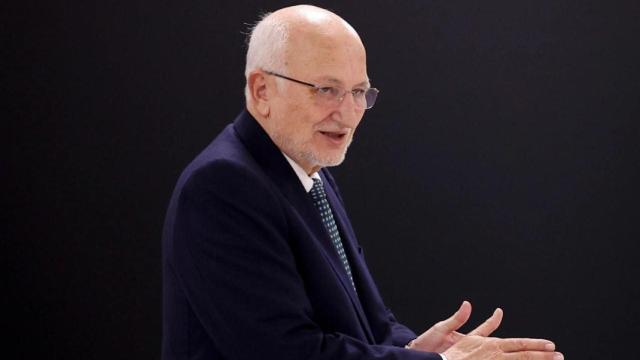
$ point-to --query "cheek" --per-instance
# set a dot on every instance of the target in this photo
(298, 125)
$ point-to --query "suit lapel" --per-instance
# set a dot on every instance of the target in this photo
(348, 241)
(302, 202)
(273, 163)
(308, 211)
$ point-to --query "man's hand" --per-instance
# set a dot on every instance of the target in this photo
(486, 348)
(443, 335)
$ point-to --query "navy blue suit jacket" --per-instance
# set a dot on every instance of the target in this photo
(249, 271)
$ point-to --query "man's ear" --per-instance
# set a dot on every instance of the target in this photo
(259, 92)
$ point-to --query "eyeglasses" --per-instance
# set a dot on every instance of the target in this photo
(333, 96)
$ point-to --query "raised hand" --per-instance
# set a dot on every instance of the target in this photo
(443, 335)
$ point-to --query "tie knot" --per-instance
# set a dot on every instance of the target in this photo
(317, 191)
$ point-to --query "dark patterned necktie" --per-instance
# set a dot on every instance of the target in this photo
(320, 199)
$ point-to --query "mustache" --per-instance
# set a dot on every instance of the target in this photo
(334, 127)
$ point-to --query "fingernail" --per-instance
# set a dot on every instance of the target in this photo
(550, 346)
(558, 356)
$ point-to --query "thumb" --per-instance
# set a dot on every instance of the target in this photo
(456, 320)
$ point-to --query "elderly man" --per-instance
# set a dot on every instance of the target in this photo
(260, 260)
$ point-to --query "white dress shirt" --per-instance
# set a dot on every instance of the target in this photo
(305, 179)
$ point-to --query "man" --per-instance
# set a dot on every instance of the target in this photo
(260, 260)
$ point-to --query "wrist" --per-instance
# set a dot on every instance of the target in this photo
(409, 344)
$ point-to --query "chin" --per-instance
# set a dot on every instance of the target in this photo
(328, 160)
(310, 154)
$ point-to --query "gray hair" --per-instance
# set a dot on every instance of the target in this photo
(267, 43)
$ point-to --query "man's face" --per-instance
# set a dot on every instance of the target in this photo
(314, 133)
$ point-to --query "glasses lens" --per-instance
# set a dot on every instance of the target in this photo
(328, 95)
(371, 95)
(331, 96)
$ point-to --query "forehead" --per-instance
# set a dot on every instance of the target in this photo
(336, 57)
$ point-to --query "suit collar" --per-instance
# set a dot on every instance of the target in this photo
(274, 164)
(266, 153)
(276, 167)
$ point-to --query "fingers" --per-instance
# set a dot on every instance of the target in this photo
(478, 347)
(458, 319)
(522, 344)
(534, 355)
(489, 325)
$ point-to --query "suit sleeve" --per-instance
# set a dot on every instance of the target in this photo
(400, 334)
(232, 259)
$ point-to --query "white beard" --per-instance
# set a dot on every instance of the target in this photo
(303, 151)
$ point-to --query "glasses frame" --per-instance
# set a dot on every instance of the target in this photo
(339, 99)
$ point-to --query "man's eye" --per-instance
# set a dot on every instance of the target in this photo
(326, 90)
(358, 92)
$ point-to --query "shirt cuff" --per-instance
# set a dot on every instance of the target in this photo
(443, 357)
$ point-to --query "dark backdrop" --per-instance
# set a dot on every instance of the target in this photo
(500, 164)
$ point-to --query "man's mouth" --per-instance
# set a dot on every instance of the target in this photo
(334, 135)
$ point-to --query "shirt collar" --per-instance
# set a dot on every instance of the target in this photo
(306, 180)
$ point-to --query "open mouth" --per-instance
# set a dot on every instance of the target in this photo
(336, 136)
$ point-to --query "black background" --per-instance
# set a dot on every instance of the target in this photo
(500, 164)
